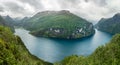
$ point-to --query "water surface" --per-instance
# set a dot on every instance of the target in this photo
(53, 50)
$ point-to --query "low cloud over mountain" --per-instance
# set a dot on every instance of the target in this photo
(91, 10)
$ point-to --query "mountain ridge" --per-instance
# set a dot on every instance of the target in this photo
(59, 24)
(110, 25)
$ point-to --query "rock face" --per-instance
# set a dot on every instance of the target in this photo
(59, 24)
(110, 25)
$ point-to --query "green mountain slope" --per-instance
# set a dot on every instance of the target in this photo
(110, 25)
(108, 54)
(13, 51)
(59, 24)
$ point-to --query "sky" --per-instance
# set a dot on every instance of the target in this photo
(91, 10)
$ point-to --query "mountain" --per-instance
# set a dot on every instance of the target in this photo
(59, 24)
(4, 22)
(13, 21)
(19, 22)
(110, 25)
(108, 54)
(22, 21)
(14, 52)
(9, 20)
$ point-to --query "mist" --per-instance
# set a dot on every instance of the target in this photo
(91, 10)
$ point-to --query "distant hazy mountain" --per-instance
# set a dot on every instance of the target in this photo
(110, 25)
(20, 21)
(59, 24)
(2, 21)
(6, 22)
(9, 20)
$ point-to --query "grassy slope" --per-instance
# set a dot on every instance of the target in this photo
(103, 55)
(13, 51)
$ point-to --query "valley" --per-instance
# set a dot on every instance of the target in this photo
(59, 38)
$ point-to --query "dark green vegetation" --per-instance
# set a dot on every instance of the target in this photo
(110, 25)
(13, 51)
(108, 54)
(59, 24)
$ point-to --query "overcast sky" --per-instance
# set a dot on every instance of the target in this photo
(92, 10)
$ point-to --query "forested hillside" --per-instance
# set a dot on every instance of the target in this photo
(59, 24)
(110, 25)
(13, 51)
(108, 54)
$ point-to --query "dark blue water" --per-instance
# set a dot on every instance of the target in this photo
(54, 50)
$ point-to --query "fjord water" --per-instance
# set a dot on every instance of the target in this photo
(54, 50)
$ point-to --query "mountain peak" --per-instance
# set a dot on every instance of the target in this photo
(52, 12)
(117, 15)
(7, 16)
(64, 12)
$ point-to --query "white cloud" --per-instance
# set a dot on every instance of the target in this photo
(29, 8)
(50, 5)
(91, 10)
